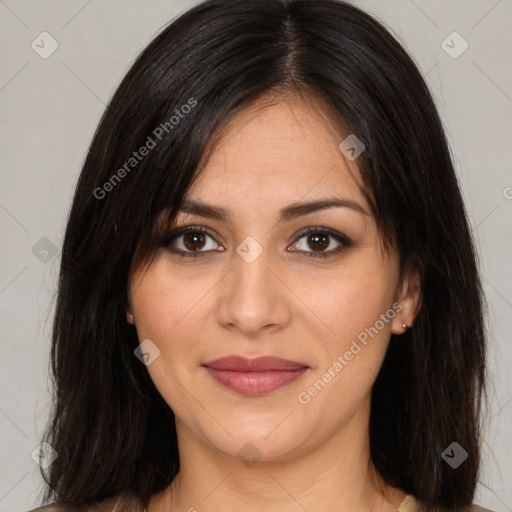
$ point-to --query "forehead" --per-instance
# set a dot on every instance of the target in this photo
(280, 150)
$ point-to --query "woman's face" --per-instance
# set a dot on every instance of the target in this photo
(256, 283)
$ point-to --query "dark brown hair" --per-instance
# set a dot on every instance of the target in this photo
(114, 433)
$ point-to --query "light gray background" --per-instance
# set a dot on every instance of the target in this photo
(50, 108)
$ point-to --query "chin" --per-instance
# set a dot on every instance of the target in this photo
(259, 440)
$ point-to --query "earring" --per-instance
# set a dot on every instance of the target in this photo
(405, 326)
(129, 316)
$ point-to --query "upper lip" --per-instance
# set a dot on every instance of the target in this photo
(257, 364)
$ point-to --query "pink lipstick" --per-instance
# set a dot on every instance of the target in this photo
(255, 376)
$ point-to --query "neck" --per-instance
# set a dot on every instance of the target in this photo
(335, 476)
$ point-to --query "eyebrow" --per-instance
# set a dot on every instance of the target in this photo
(290, 212)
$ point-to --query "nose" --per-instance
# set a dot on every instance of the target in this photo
(252, 298)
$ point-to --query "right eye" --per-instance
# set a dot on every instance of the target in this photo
(191, 241)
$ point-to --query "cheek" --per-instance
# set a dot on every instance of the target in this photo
(351, 306)
(167, 311)
(352, 298)
(351, 359)
(164, 303)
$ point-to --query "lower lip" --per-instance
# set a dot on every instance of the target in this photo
(255, 383)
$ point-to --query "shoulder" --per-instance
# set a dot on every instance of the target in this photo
(120, 504)
(411, 504)
(52, 508)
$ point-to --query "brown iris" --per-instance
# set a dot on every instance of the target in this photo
(194, 241)
(318, 242)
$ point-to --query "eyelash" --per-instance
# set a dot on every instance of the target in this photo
(342, 239)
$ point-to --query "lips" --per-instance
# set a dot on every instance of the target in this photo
(254, 376)
(258, 364)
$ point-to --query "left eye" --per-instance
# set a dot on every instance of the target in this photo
(321, 242)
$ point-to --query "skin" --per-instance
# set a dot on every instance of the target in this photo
(312, 456)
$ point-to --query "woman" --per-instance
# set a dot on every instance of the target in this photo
(268, 296)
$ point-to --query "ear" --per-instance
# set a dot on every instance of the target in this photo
(409, 297)
(129, 316)
(129, 310)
